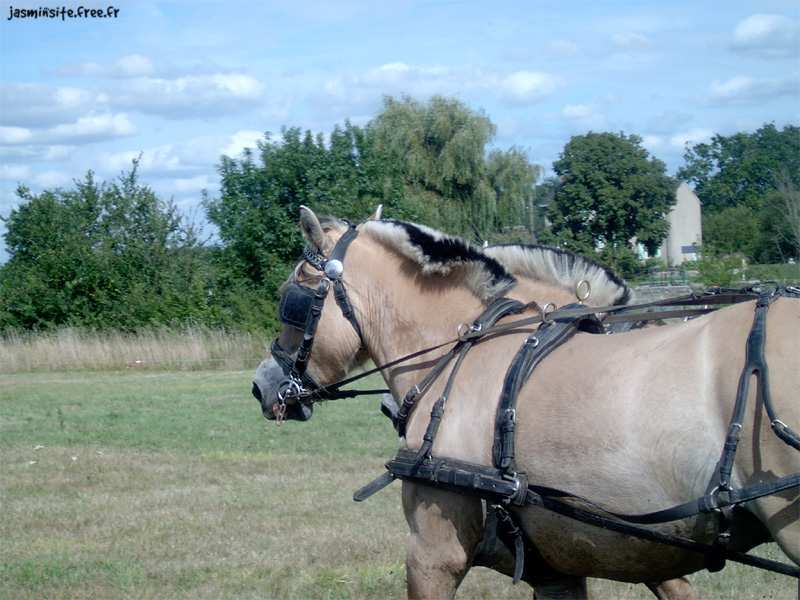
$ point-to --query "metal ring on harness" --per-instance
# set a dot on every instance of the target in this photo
(464, 329)
(552, 306)
(583, 296)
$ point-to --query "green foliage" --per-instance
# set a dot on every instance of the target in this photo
(438, 152)
(732, 229)
(719, 269)
(611, 192)
(104, 255)
(758, 175)
(740, 169)
(259, 203)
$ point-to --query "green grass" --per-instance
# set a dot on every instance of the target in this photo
(160, 485)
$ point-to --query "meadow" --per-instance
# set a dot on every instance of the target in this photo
(156, 483)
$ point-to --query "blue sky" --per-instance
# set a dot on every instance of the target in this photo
(184, 82)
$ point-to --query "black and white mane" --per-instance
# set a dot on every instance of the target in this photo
(562, 269)
(439, 254)
(492, 272)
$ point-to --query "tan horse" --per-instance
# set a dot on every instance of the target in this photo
(634, 422)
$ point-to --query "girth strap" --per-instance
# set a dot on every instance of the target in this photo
(713, 501)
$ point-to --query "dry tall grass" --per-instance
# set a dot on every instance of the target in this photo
(86, 349)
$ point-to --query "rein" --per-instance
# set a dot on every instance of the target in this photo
(612, 314)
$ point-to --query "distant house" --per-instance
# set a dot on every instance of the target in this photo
(685, 228)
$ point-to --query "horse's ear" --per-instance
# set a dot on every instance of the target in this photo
(312, 230)
(376, 216)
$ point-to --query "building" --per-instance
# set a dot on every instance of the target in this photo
(685, 228)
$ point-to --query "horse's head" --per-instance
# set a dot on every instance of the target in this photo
(308, 309)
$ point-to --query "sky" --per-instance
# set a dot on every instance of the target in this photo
(182, 83)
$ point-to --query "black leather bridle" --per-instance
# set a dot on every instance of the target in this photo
(301, 308)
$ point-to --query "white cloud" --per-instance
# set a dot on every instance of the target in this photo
(52, 179)
(694, 136)
(770, 36)
(240, 141)
(528, 87)
(33, 153)
(398, 77)
(128, 66)
(359, 90)
(745, 90)
(185, 162)
(581, 118)
(633, 41)
(37, 105)
(15, 172)
(91, 128)
(192, 96)
(15, 135)
(193, 184)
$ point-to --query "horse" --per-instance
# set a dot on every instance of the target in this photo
(635, 422)
(563, 273)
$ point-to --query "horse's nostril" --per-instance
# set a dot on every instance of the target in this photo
(256, 391)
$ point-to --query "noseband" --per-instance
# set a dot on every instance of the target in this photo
(301, 308)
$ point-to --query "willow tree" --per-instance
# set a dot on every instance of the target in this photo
(438, 149)
(512, 178)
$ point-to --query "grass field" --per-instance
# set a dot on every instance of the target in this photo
(169, 484)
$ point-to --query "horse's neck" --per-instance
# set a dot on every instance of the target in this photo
(528, 290)
(408, 312)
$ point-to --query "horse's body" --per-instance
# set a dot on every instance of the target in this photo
(635, 422)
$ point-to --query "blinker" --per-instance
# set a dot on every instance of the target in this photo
(295, 305)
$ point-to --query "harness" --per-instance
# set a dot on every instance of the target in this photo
(504, 488)
(501, 485)
(301, 308)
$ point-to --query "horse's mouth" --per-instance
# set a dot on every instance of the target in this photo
(292, 412)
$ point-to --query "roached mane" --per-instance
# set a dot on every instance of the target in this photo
(439, 254)
(492, 272)
(563, 269)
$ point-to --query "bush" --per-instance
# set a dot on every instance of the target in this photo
(719, 269)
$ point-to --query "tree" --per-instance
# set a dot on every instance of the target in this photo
(437, 151)
(612, 195)
(424, 162)
(742, 168)
(102, 255)
(258, 207)
(512, 178)
(751, 175)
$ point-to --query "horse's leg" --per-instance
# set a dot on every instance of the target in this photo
(563, 588)
(445, 531)
(674, 589)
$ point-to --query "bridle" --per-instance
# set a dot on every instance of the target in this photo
(301, 308)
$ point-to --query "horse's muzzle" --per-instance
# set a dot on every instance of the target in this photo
(271, 406)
